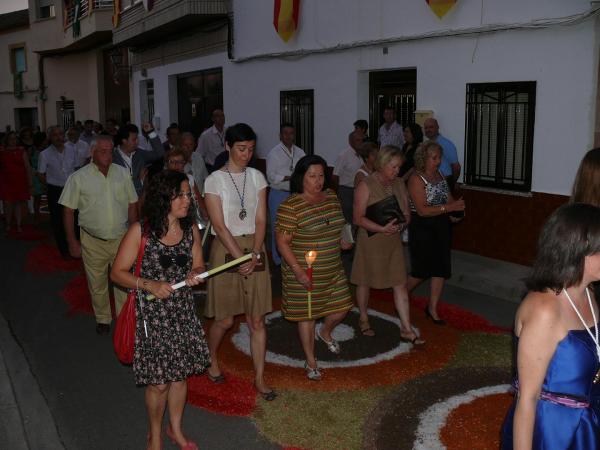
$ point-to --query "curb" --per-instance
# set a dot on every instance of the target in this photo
(25, 418)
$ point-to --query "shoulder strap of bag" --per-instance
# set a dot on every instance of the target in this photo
(140, 255)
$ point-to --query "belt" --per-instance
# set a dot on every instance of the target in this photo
(568, 400)
(95, 237)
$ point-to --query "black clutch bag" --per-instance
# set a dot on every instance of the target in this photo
(383, 211)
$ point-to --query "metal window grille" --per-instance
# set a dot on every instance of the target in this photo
(65, 113)
(297, 108)
(84, 8)
(403, 104)
(499, 134)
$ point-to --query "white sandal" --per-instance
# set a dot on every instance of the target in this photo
(313, 374)
(332, 345)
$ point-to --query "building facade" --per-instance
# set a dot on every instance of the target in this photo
(19, 81)
(512, 84)
(81, 75)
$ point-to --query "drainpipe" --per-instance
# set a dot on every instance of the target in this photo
(42, 97)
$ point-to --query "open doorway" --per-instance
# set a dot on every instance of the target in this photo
(198, 95)
(396, 88)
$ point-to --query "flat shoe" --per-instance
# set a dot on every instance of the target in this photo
(333, 346)
(191, 445)
(365, 328)
(414, 341)
(267, 396)
(219, 379)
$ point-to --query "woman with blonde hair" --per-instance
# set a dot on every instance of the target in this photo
(430, 228)
(379, 258)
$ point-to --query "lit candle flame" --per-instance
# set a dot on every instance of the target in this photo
(310, 257)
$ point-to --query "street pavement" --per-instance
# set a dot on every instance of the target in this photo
(61, 386)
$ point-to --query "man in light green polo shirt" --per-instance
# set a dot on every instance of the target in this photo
(104, 194)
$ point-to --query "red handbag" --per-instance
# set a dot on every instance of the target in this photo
(124, 336)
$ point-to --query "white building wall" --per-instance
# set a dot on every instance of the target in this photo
(563, 61)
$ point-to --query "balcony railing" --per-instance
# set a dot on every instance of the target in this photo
(84, 6)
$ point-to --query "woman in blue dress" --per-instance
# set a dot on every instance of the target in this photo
(557, 405)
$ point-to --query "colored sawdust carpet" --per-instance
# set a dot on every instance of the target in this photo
(45, 258)
(379, 392)
(77, 295)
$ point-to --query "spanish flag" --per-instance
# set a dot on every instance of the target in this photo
(441, 7)
(285, 17)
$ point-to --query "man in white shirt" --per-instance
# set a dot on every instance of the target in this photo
(80, 148)
(55, 164)
(212, 141)
(281, 161)
(127, 153)
(390, 133)
(346, 165)
(88, 132)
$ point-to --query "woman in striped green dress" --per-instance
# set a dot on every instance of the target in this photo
(311, 219)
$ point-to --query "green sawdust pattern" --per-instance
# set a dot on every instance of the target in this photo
(483, 350)
(318, 420)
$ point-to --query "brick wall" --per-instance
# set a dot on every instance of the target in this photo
(504, 226)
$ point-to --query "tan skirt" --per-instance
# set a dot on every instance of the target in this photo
(230, 294)
(378, 261)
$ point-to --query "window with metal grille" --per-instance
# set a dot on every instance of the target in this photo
(45, 9)
(297, 108)
(499, 134)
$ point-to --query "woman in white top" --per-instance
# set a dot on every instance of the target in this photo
(368, 152)
(236, 198)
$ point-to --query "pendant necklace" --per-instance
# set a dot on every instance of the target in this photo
(242, 215)
(594, 338)
(289, 155)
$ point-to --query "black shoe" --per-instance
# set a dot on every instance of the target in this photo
(436, 321)
(103, 329)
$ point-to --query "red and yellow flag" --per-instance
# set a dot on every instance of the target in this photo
(116, 13)
(285, 17)
(441, 7)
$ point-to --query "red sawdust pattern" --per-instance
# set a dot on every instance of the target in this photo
(435, 354)
(454, 315)
(45, 258)
(235, 397)
(478, 423)
(29, 233)
(77, 296)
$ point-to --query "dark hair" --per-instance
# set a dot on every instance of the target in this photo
(8, 135)
(361, 123)
(365, 150)
(160, 191)
(238, 133)
(123, 133)
(88, 122)
(38, 138)
(285, 125)
(297, 178)
(173, 126)
(586, 188)
(570, 234)
(417, 132)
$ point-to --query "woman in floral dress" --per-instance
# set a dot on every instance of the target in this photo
(169, 343)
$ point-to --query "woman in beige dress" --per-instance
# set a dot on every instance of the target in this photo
(236, 198)
(379, 258)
